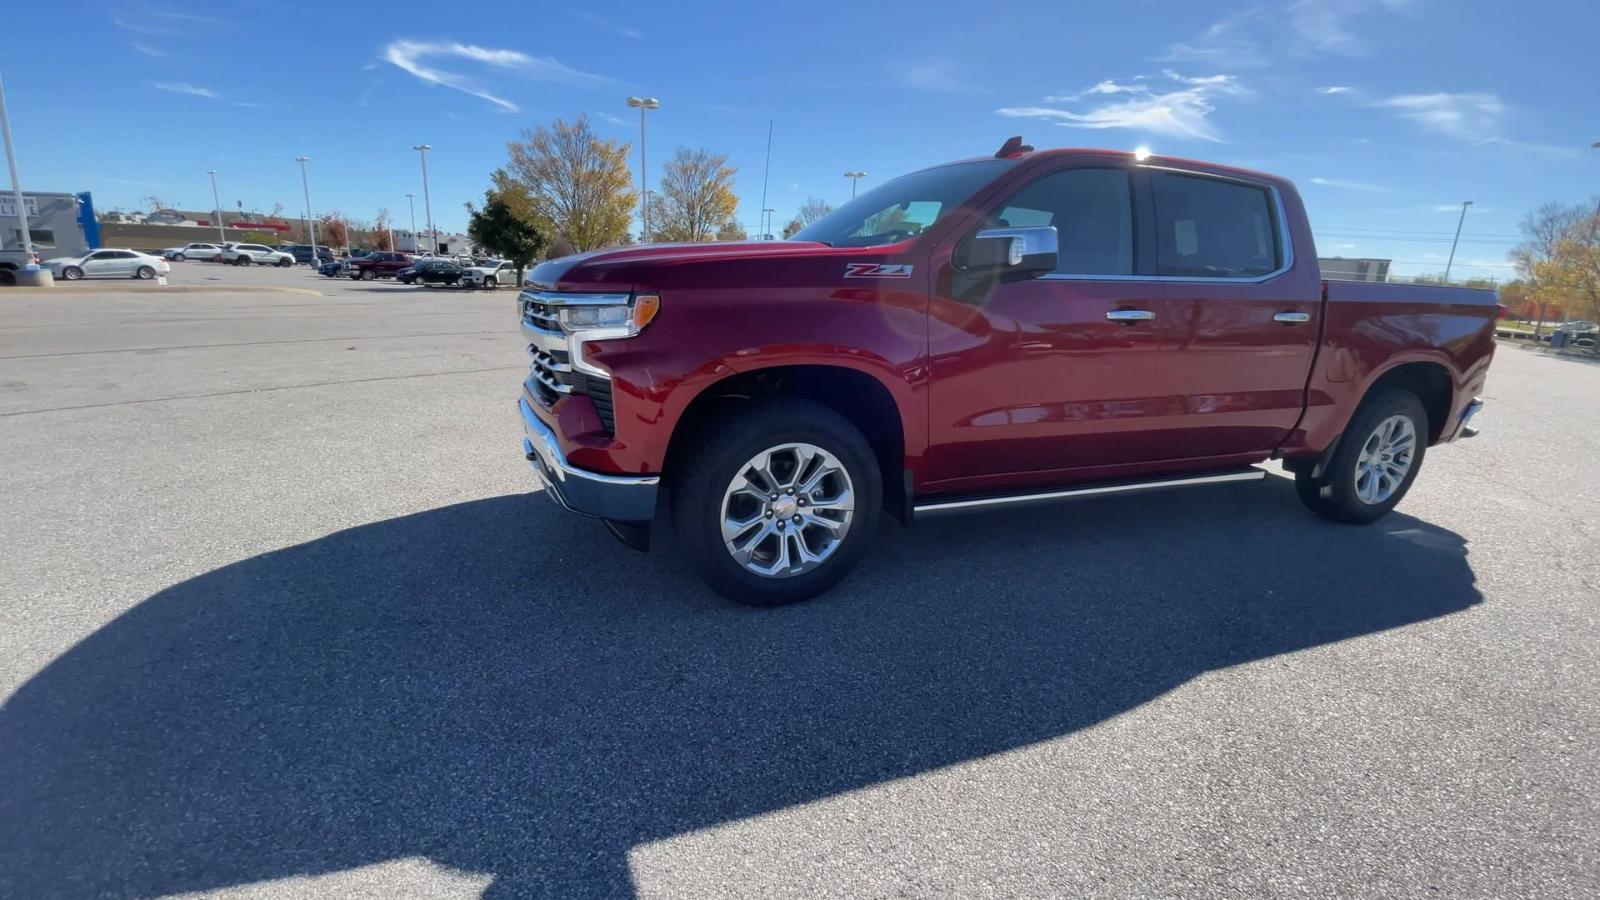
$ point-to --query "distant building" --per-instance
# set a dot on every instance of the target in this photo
(418, 242)
(60, 224)
(1339, 268)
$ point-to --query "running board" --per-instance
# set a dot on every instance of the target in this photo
(936, 508)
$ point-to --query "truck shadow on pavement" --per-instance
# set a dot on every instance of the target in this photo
(501, 688)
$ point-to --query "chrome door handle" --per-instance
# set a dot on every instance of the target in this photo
(1129, 316)
(1292, 318)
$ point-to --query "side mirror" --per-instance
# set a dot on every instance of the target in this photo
(1012, 253)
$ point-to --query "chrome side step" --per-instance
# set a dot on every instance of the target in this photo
(936, 508)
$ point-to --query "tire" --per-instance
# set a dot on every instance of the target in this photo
(71, 273)
(1376, 433)
(145, 273)
(490, 284)
(8, 277)
(703, 496)
(177, 257)
(285, 263)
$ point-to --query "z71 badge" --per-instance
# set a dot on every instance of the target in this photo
(877, 270)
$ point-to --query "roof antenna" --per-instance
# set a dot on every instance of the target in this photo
(1012, 147)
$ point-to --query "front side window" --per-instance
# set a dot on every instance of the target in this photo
(904, 207)
(1092, 212)
(1213, 228)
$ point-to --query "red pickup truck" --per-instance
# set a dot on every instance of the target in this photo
(988, 334)
(379, 264)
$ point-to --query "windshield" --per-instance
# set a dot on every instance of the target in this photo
(904, 207)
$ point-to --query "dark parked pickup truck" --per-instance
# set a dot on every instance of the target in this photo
(380, 264)
(988, 334)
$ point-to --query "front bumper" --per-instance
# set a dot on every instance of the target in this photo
(623, 498)
(1465, 429)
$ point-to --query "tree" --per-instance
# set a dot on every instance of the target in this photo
(333, 230)
(732, 231)
(573, 180)
(382, 228)
(813, 209)
(793, 228)
(1559, 258)
(696, 196)
(506, 227)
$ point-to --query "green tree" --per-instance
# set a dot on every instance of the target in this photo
(573, 180)
(793, 228)
(732, 231)
(506, 227)
(696, 196)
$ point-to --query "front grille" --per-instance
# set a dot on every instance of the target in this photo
(599, 392)
(551, 378)
(552, 375)
(540, 315)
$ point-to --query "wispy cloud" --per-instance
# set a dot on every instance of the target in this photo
(141, 27)
(409, 55)
(608, 117)
(148, 50)
(186, 17)
(936, 77)
(1349, 185)
(1176, 106)
(1473, 210)
(181, 87)
(602, 22)
(1228, 42)
(1475, 116)
(1334, 89)
(1325, 26)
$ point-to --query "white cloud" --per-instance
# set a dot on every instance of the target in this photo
(180, 87)
(937, 78)
(608, 117)
(147, 50)
(1333, 89)
(140, 27)
(1224, 43)
(409, 55)
(1465, 116)
(1323, 23)
(1182, 112)
(599, 21)
(1473, 210)
(1348, 184)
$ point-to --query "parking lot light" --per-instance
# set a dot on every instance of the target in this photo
(222, 236)
(427, 205)
(16, 183)
(311, 225)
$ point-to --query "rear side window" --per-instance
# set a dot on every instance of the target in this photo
(1092, 211)
(1213, 228)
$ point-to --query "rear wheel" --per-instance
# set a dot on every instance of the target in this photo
(1375, 464)
(145, 273)
(779, 504)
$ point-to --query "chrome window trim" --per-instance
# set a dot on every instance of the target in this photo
(1283, 231)
(556, 298)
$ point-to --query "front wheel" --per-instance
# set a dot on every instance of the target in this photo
(177, 257)
(285, 263)
(71, 273)
(780, 503)
(1375, 464)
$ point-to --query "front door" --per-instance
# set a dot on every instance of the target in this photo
(1060, 377)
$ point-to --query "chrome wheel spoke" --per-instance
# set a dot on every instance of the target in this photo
(773, 522)
(844, 501)
(1385, 459)
(745, 550)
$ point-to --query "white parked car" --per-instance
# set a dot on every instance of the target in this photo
(256, 254)
(489, 274)
(198, 251)
(108, 263)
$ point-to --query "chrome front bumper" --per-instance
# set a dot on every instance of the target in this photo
(1465, 429)
(622, 498)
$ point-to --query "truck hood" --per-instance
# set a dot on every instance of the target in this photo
(617, 265)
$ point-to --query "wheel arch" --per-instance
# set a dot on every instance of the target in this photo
(862, 397)
(1431, 380)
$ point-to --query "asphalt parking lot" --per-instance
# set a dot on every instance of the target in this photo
(280, 617)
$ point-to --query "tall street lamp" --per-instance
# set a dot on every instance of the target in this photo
(411, 201)
(16, 183)
(766, 226)
(222, 236)
(1462, 221)
(311, 226)
(427, 205)
(854, 177)
(642, 104)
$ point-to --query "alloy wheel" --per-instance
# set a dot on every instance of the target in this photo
(787, 510)
(1385, 460)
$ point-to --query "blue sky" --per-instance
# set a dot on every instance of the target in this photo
(1386, 113)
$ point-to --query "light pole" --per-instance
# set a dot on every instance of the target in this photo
(311, 226)
(411, 201)
(642, 104)
(16, 183)
(854, 177)
(766, 227)
(222, 236)
(1462, 221)
(427, 205)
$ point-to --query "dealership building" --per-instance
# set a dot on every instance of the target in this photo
(60, 224)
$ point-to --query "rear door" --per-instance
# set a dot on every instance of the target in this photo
(1247, 311)
(1057, 377)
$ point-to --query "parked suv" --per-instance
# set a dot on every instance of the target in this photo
(378, 264)
(992, 334)
(303, 256)
(489, 274)
(256, 254)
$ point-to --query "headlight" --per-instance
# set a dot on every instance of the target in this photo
(627, 320)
